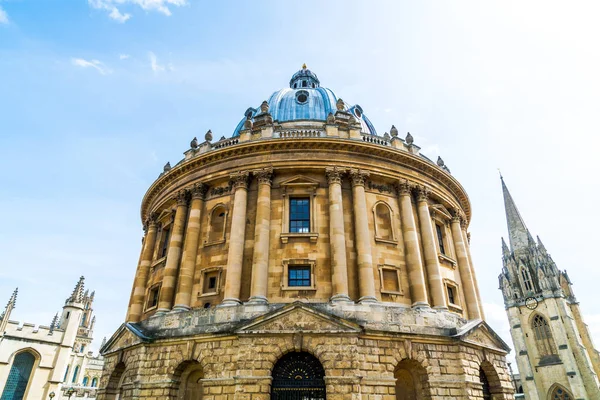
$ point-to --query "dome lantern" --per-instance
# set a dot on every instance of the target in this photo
(304, 78)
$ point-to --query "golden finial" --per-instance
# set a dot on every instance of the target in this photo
(304, 66)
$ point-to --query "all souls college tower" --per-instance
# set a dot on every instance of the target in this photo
(555, 354)
(305, 256)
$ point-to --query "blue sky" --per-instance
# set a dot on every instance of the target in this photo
(94, 102)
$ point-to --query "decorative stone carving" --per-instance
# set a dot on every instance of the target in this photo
(340, 105)
(330, 118)
(239, 180)
(264, 176)
(393, 131)
(248, 123)
(194, 143)
(264, 107)
(182, 197)
(208, 136)
(403, 188)
(150, 222)
(380, 187)
(167, 167)
(422, 193)
(409, 138)
(334, 175)
(440, 161)
(358, 176)
(198, 191)
(386, 136)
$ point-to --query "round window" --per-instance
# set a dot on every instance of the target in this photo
(357, 112)
(302, 97)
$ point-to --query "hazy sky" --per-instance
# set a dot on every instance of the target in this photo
(96, 96)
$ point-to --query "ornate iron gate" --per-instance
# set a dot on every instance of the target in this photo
(298, 376)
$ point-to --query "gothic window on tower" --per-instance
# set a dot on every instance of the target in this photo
(527, 283)
(298, 274)
(211, 278)
(300, 215)
(153, 294)
(544, 341)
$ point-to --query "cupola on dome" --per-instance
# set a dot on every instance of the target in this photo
(305, 100)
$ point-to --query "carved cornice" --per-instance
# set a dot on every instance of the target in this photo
(158, 191)
(264, 175)
(239, 180)
(334, 175)
(358, 177)
(198, 191)
(422, 193)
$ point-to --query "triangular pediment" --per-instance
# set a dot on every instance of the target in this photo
(126, 336)
(299, 317)
(442, 210)
(478, 332)
(300, 180)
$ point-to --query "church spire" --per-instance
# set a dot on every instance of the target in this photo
(77, 295)
(518, 234)
(9, 307)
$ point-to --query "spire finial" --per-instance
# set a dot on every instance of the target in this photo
(77, 295)
(9, 307)
(518, 234)
(304, 66)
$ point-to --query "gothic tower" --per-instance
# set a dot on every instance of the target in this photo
(554, 350)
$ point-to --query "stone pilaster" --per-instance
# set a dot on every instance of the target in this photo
(183, 298)
(466, 241)
(432, 264)
(262, 232)
(464, 268)
(363, 238)
(414, 261)
(141, 277)
(167, 290)
(337, 237)
(235, 256)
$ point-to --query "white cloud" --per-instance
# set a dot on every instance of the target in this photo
(156, 67)
(3, 16)
(100, 67)
(124, 56)
(161, 6)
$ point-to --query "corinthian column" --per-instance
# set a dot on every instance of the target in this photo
(337, 237)
(235, 256)
(262, 232)
(464, 268)
(414, 262)
(363, 238)
(167, 290)
(141, 277)
(466, 241)
(183, 297)
(432, 263)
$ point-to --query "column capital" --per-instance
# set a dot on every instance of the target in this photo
(460, 217)
(198, 191)
(239, 180)
(403, 187)
(150, 222)
(334, 175)
(358, 176)
(264, 175)
(422, 193)
(182, 197)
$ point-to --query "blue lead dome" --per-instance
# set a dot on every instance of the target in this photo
(305, 100)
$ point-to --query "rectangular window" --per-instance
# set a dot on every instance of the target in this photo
(440, 236)
(299, 275)
(153, 296)
(451, 295)
(390, 280)
(164, 246)
(210, 282)
(300, 215)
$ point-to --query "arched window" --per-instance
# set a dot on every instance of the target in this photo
(75, 374)
(94, 382)
(86, 380)
(83, 320)
(485, 385)
(66, 374)
(298, 376)
(217, 222)
(18, 378)
(560, 393)
(527, 284)
(383, 222)
(543, 337)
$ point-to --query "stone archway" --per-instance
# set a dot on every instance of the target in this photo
(113, 388)
(187, 381)
(298, 376)
(411, 381)
(491, 386)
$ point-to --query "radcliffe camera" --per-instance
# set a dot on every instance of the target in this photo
(298, 201)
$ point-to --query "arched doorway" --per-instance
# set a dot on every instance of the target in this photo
(411, 381)
(298, 376)
(189, 377)
(113, 388)
(18, 377)
(485, 385)
(560, 393)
